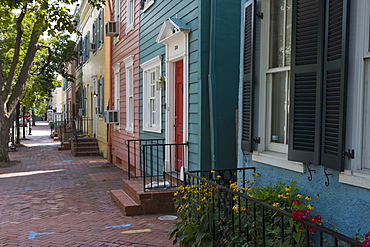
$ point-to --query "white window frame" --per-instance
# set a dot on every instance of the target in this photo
(117, 84)
(129, 63)
(357, 172)
(130, 15)
(117, 10)
(274, 154)
(150, 67)
(147, 4)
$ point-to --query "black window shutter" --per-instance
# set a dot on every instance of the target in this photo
(306, 74)
(334, 84)
(247, 107)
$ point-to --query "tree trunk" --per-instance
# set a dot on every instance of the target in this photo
(5, 138)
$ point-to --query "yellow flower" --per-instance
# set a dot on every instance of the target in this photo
(317, 196)
(176, 193)
(187, 205)
(308, 198)
(310, 207)
(218, 176)
(287, 188)
(199, 208)
(185, 197)
(235, 198)
(250, 195)
(288, 193)
(236, 207)
(280, 195)
(243, 208)
(249, 189)
(258, 175)
(275, 204)
(299, 195)
(213, 171)
(181, 187)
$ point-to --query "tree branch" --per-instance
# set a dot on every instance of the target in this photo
(26, 67)
(42, 69)
(17, 49)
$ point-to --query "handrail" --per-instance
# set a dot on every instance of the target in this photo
(134, 148)
(232, 194)
(155, 168)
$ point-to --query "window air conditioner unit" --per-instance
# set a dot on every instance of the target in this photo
(112, 28)
(92, 47)
(111, 117)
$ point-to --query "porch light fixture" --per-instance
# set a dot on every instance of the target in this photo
(160, 83)
(95, 94)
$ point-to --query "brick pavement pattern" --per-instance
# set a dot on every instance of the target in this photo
(51, 198)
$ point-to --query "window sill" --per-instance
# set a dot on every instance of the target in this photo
(279, 160)
(360, 178)
(152, 130)
(129, 130)
(129, 28)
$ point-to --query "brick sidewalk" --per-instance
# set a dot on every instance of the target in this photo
(51, 198)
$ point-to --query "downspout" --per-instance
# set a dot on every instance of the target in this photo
(108, 70)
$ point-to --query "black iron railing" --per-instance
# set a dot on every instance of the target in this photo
(135, 166)
(162, 164)
(79, 126)
(235, 218)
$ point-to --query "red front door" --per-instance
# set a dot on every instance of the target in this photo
(179, 112)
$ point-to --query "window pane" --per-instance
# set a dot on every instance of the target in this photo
(277, 33)
(278, 108)
(280, 32)
(288, 32)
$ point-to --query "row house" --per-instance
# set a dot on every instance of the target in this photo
(278, 85)
(304, 90)
(92, 89)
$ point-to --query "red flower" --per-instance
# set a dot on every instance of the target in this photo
(298, 214)
(318, 218)
(313, 219)
(311, 229)
(297, 202)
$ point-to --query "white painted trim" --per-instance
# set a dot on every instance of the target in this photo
(147, 4)
(170, 89)
(129, 62)
(358, 178)
(279, 160)
(129, 9)
(153, 64)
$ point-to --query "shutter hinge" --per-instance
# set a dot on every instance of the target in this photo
(259, 15)
(350, 154)
(256, 140)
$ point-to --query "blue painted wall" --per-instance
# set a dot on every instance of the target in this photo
(343, 207)
(214, 43)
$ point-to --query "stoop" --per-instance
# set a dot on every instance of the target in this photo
(134, 201)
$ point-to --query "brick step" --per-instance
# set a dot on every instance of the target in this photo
(86, 146)
(81, 154)
(65, 146)
(125, 202)
(152, 201)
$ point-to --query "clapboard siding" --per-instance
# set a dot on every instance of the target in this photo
(126, 45)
